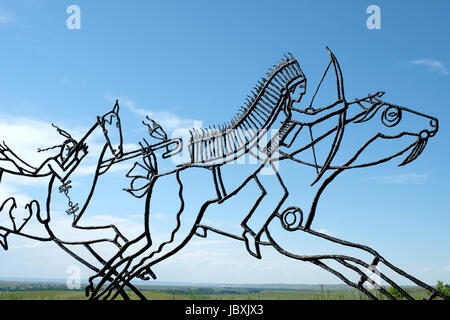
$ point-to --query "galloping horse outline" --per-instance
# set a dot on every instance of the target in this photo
(59, 169)
(211, 149)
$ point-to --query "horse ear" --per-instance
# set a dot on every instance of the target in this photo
(370, 112)
(116, 107)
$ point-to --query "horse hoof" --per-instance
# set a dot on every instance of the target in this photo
(3, 242)
(89, 288)
(291, 218)
(147, 274)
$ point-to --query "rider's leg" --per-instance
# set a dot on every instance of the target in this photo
(273, 195)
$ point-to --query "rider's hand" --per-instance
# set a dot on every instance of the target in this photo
(82, 151)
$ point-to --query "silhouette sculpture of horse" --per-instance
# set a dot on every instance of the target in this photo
(212, 153)
(56, 171)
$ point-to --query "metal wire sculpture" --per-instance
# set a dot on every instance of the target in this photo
(267, 128)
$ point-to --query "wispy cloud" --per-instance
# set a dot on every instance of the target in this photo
(28, 245)
(406, 178)
(432, 65)
(6, 17)
(25, 136)
(168, 120)
(447, 268)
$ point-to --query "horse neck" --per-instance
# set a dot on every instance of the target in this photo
(89, 139)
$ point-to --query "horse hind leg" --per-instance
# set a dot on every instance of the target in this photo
(143, 268)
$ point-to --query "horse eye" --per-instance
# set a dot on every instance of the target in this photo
(391, 116)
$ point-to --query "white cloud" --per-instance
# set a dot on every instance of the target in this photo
(6, 17)
(447, 268)
(168, 120)
(85, 170)
(25, 136)
(406, 178)
(433, 65)
(28, 245)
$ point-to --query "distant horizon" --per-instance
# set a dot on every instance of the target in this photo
(197, 284)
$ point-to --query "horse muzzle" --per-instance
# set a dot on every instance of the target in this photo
(422, 141)
(434, 124)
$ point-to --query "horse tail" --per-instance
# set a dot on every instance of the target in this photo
(5, 232)
(4, 241)
(178, 217)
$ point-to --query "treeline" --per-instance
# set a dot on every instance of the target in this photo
(12, 286)
(202, 290)
(8, 286)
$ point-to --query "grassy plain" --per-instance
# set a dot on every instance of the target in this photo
(11, 290)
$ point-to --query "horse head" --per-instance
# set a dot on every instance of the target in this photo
(110, 123)
(392, 121)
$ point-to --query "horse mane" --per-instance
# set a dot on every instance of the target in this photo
(370, 104)
(258, 113)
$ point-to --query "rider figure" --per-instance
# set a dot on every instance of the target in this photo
(306, 118)
(61, 165)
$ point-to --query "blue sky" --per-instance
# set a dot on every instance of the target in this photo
(184, 61)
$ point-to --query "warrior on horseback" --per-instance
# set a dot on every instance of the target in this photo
(56, 170)
(212, 152)
(270, 108)
(268, 111)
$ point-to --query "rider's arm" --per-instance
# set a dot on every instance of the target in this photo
(310, 116)
(61, 170)
(9, 161)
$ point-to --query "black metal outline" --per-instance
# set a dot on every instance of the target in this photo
(271, 103)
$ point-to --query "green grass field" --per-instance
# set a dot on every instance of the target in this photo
(347, 294)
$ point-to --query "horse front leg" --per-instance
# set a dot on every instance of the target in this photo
(115, 270)
(140, 264)
(93, 234)
(364, 262)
